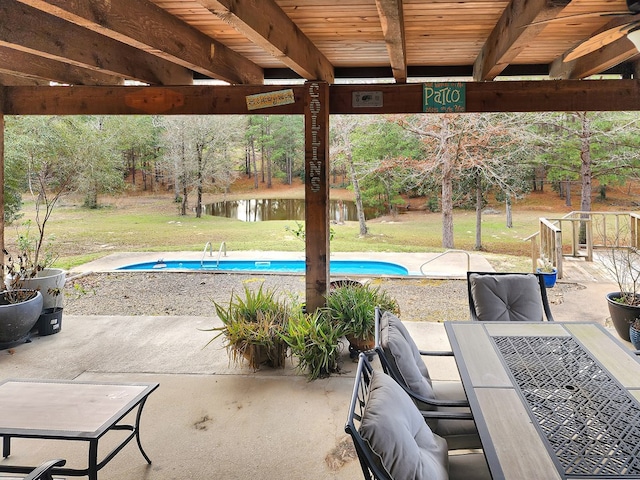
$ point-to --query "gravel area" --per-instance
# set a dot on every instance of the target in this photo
(164, 293)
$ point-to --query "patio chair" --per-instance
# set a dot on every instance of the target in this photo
(507, 297)
(392, 439)
(43, 472)
(402, 360)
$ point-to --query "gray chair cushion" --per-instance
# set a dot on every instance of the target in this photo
(405, 360)
(402, 351)
(506, 297)
(397, 432)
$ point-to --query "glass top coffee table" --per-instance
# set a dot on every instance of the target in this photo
(70, 410)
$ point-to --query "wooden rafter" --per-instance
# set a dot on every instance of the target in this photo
(30, 30)
(43, 70)
(517, 28)
(392, 20)
(595, 62)
(599, 60)
(267, 25)
(157, 32)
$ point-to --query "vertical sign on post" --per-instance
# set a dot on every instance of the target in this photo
(316, 192)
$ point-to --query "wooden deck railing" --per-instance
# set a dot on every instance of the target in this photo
(583, 232)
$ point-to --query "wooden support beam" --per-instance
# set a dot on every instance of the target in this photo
(513, 96)
(30, 30)
(188, 100)
(316, 196)
(157, 32)
(1, 187)
(517, 28)
(392, 21)
(41, 69)
(265, 24)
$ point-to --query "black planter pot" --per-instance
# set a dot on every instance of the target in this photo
(49, 321)
(622, 315)
(17, 319)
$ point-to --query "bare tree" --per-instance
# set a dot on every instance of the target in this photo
(342, 128)
(205, 153)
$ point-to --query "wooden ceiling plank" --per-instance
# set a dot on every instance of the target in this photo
(515, 30)
(33, 31)
(593, 63)
(268, 26)
(48, 70)
(150, 28)
(392, 21)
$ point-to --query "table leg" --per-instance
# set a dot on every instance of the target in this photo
(93, 460)
(138, 415)
(6, 446)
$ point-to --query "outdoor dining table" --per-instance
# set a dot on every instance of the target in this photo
(70, 410)
(551, 400)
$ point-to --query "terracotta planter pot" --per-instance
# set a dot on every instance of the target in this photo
(622, 315)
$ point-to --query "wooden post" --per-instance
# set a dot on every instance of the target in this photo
(1, 186)
(316, 192)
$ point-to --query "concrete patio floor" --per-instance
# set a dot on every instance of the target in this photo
(212, 419)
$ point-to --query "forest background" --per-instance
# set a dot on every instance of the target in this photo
(140, 182)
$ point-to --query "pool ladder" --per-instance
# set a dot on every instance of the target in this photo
(221, 251)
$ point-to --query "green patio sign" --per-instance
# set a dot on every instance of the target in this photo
(444, 97)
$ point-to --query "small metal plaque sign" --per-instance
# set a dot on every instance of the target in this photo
(446, 97)
(366, 99)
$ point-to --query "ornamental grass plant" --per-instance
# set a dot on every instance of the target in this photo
(253, 325)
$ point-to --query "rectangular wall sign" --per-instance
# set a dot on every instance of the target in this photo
(444, 97)
(270, 99)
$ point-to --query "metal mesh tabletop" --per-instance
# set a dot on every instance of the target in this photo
(591, 423)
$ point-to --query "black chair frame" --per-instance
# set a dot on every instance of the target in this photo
(391, 370)
(369, 460)
(44, 471)
(543, 293)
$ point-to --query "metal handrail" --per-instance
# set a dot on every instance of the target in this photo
(445, 253)
(223, 247)
(204, 252)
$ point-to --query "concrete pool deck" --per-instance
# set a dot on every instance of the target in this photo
(452, 265)
(212, 419)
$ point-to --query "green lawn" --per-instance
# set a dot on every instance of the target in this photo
(152, 223)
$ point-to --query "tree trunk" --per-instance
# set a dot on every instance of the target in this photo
(183, 204)
(585, 172)
(255, 164)
(447, 204)
(199, 180)
(508, 210)
(478, 244)
(358, 195)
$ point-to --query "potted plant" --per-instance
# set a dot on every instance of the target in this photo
(548, 271)
(623, 263)
(32, 269)
(315, 341)
(19, 312)
(350, 307)
(253, 327)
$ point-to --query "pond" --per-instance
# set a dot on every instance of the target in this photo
(262, 209)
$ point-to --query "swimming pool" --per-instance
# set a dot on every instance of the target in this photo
(337, 267)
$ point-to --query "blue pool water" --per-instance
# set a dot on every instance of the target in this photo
(337, 267)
